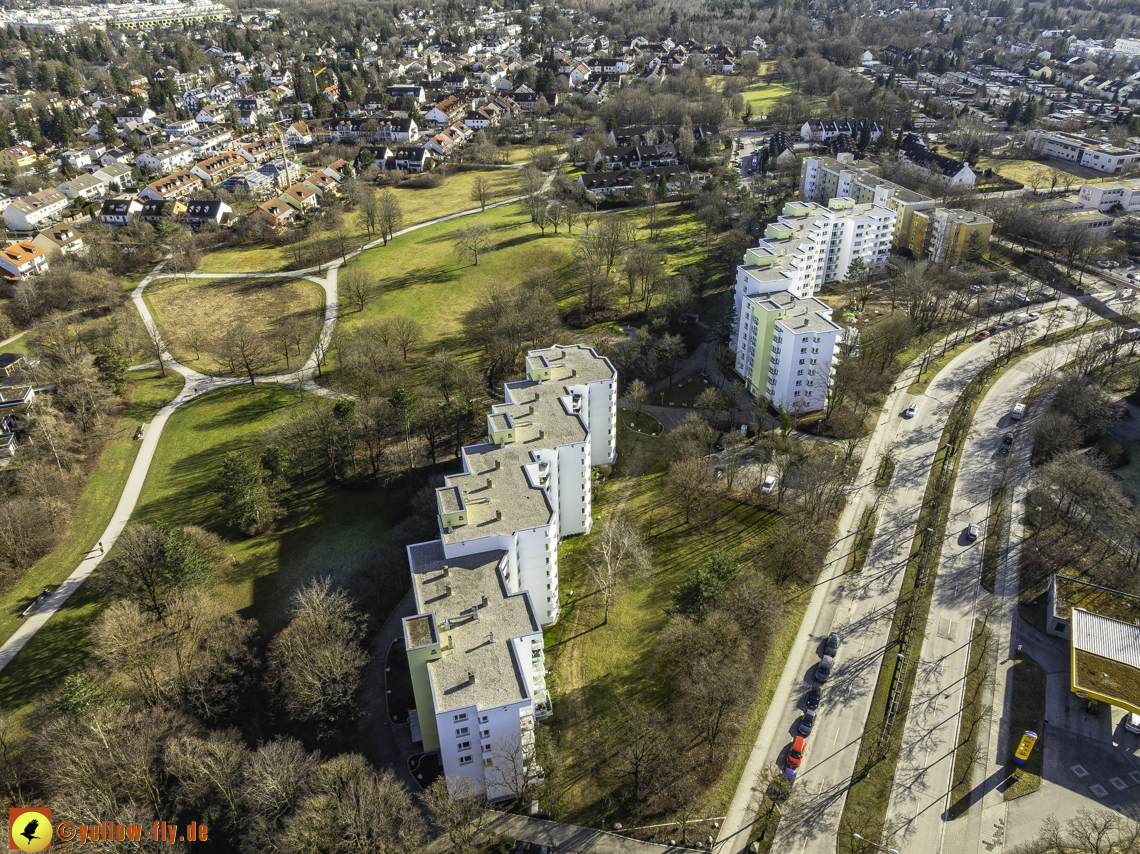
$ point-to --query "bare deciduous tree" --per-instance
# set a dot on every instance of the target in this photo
(480, 190)
(244, 351)
(358, 286)
(617, 551)
(472, 239)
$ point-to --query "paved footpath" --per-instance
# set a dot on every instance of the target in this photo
(564, 838)
(197, 384)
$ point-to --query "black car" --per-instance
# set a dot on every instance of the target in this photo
(814, 696)
(807, 722)
(1008, 438)
(832, 644)
(823, 669)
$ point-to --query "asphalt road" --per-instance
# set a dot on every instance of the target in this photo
(862, 607)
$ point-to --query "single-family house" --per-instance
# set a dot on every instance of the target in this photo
(21, 259)
(158, 211)
(118, 174)
(219, 167)
(205, 211)
(301, 196)
(26, 213)
(59, 240)
(118, 212)
(166, 158)
(276, 213)
(17, 159)
(176, 185)
(82, 187)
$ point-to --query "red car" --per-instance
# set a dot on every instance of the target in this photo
(982, 336)
(796, 752)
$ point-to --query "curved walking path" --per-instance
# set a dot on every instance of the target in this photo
(195, 384)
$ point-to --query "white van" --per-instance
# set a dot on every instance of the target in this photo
(1018, 411)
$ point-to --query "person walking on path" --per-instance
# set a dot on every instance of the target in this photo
(100, 547)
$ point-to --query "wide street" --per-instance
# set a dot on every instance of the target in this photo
(862, 608)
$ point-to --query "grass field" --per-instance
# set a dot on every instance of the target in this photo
(424, 279)
(327, 531)
(212, 307)
(594, 668)
(417, 205)
(59, 645)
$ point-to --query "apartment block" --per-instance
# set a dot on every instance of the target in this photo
(486, 587)
(825, 178)
(1105, 197)
(786, 348)
(810, 245)
(941, 234)
(1083, 151)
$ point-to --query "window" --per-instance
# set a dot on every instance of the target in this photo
(488, 762)
(483, 719)
(463, 745)
(466, 760)
(486, 734)
(461, 717)
(462, 731)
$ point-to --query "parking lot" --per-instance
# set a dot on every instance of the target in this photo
(748, 153)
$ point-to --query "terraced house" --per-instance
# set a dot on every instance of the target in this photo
(488, 585)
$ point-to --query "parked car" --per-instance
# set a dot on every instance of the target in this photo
(1092, 707)
(1018, 411)
(769, 482)
(796, 752)
(1132, 723)
(972, 531)
(807, 722)
(983, 335)
(790, 776)
(833, 641)
(911, 410)
(814, 696)
(978, 289)
(823, 669)
(1022, 298)
(1006, 324)
(1007, 439)
(1033, 316)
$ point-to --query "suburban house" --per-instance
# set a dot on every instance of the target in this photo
(173, 186)
(118, 212)
(256, 152)
(60, 240)
(204, 212)
(21, 259)
(219, 167)
(118, 174)
(166, 158)
(208, 139)
(82, 187)
(17, 159)
(157, 211)
(411, 159)
(637, 156)
(298, 133)
(953, 172)
(256, 184)
(450, 109)
(622, 181)
(275, 213)
(321, 183)
(301, 196)
(26, 213)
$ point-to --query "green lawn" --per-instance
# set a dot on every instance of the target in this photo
(593, 668)
(417, 205)
(59, 646)
(424, 279)
(327, 531)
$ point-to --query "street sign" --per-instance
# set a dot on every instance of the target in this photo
(1025, 748)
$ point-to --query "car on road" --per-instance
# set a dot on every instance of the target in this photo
(807, 722)
(1006, 324)
(972, 531)
(978, 289)
(1033, 316)
(769, 482)
(833, 641)
(823, 669)
(911, 410)
(796, 752)
(983, 335)
(814, 696)
(1007, 439)
(1018, 412)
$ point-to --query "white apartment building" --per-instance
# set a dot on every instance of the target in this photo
(810, 245)
(25, 214)
(786, 348)
(167, 158)
(487, 586)
(1082, 151)
(1104, 197)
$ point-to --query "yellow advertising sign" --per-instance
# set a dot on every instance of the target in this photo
(1025, 747)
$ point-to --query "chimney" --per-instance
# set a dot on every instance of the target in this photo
(531, 410)
(491, 636)
(497, 464)
(470, 677)
(488, 483)
(574, 372)
(484, 600)
(542, 434)
(498, 515)
(449, 644)
(536, 396)
(446, 571)
(447, 590)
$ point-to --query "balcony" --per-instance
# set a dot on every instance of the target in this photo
(542, 705)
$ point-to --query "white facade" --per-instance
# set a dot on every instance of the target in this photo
(486, 587)
(24, 214)
(1104, 197)
(1083, 151)
(166, 158)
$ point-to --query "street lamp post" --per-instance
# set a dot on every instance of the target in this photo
(873, 845)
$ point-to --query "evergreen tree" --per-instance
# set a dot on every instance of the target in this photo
(119, 80)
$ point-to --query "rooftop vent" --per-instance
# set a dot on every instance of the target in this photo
(446, 571)
(447, 590)
(498, 515)
(470, 677)
(488, 483)
(484, 600)
(491, 637)
(497, 464)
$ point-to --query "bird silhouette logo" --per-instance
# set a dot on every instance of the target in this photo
(29, 830)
